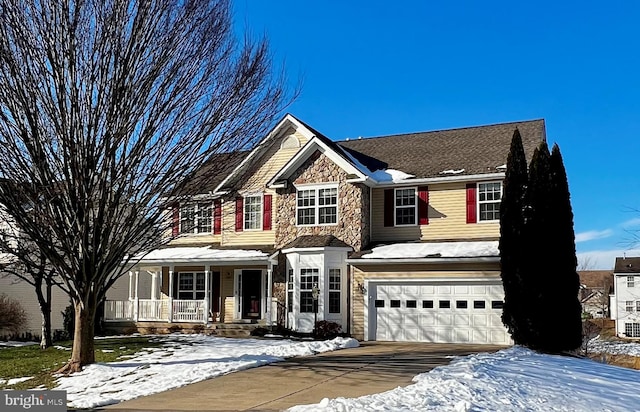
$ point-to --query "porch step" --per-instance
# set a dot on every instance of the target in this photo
(234, 330)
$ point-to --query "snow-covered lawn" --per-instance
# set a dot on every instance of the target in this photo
(183, 359)
(514, 379)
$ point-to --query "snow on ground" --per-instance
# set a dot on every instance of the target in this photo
(14, 344)
(183, 359)
(614, 347)
(13, 381)
(514, 379)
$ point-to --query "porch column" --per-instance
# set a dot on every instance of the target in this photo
(269, 296)
(135, 298)
(154, 285)
(206, 296)
(170, 294)
(130, 285)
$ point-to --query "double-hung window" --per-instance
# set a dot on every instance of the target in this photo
(290, 291)
(308, 278)
(405, 206)
(631, 281)
(196, 218)
(628, 304)
(253, 212)
(489, 196)
(334, 291)
(190, 285)
(632, 330)
(317, 206)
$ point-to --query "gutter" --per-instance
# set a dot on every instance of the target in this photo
(444, 179)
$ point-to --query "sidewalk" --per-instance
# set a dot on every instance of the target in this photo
(371, 368)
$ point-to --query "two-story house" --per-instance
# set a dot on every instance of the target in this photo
(625, 302)
(393, 237)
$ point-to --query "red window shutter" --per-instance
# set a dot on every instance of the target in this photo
(266, 212)
(471, 203)
(389, 207)
(423, 205)
(239, 214)
(217, 217)
(175, 222)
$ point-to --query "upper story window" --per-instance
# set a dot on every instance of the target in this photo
(196, 218)
(253, 212)
(317, 206)
(405, 206)
(631, 281)
(489, 196)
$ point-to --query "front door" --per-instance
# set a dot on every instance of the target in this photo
(251, 290)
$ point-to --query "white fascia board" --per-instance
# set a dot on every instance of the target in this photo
(426, 261)
(288, 119)
(195, 261)
(303, 154)
(444, 179)
(316, 249)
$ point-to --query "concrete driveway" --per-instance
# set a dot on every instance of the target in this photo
(373, 367)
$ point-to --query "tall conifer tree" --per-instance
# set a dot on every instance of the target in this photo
(564, 329)
(511, 237)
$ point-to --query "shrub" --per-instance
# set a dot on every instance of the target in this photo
(327, 330)
(12, 315)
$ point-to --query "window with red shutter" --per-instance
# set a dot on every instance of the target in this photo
(471, 203)
(239, 214)
(266, 214)
(423, 205)
(217, 217)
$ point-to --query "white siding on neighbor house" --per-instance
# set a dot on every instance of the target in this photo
(26, 295)
(623, 294)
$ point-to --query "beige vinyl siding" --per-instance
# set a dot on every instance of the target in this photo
(246, 237)
(447, 218)
(26, 295)
(482, 270)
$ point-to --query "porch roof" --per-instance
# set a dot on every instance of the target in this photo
(203, 254)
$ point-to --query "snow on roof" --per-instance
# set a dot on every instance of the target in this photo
(390, 175)
(203, 253)
(452, 172)
(441, 249)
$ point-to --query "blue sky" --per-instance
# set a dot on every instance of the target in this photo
(372, 68)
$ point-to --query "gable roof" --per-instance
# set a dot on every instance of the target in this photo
(475, 150)
(627, 265)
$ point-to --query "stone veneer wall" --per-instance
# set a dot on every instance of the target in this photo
(353, 205)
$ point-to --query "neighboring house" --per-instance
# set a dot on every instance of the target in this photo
(625, 304)
(396, 236)
(595, 288)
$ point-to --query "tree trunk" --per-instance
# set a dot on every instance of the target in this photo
(83, 347)
(45, 311)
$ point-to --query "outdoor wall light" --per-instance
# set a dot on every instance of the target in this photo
(361, 288)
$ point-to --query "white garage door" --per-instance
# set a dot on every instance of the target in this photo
(438, 312)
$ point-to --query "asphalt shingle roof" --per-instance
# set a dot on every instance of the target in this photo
(627, 265)
(477, 150)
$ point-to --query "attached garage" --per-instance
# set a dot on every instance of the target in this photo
(439, 311)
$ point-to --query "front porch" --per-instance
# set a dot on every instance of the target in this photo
(153, 310)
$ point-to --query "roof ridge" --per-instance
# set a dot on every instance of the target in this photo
(439, 130)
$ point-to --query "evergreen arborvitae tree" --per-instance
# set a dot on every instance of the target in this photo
(511, 238)
(536, 276)
(564, 328)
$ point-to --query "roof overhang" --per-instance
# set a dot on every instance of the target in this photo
(316, 249)
(443, 179)
(423, 261)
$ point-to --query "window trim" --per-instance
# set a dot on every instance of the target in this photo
(631, 281)
(244, 212)
(194, 290)
(314, 273)
(478, 202)
(316, 207)
(334, 290)
(396, 207)
(196, 206)
(629, 306)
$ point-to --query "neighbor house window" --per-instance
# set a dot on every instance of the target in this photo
(637, 305)
(334, 291)
(628, 306)
(253, 212)
(308, 278)
(190, 285)
(406, 206)
(632, 330)
(196, 218)
(489, 195)
(631, 281)
(317, 206)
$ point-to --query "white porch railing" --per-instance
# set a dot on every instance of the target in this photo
(192, 311)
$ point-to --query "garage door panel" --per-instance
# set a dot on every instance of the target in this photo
(443, 313)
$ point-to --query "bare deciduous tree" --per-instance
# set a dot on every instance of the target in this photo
(107, 110)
